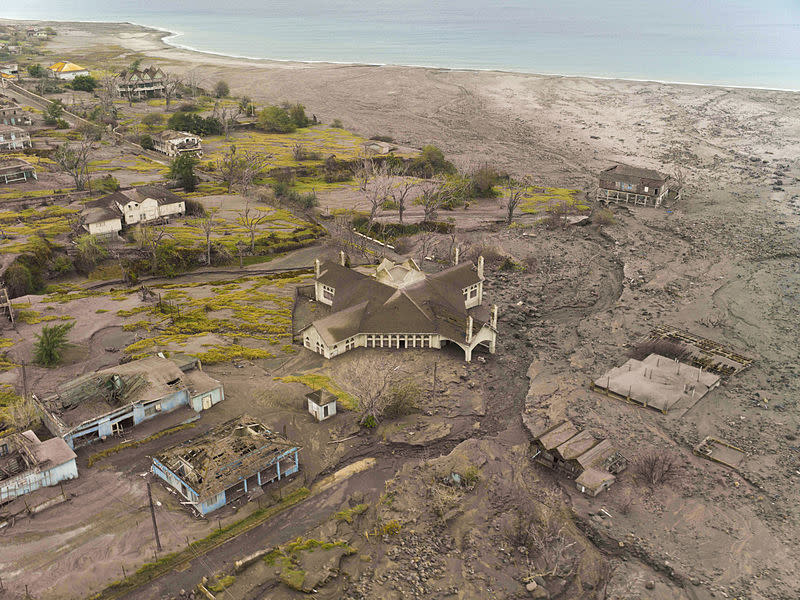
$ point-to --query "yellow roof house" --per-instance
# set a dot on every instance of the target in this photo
(67, 70)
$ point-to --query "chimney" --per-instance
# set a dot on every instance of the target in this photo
(494, 316)
(469, 330)
(341, 257)
(480, 267)
(456, 257)
(316, 267)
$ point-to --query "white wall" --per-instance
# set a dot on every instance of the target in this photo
(105, 227)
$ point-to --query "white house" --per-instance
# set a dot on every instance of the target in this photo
(67, 70)
(27, 464)
(142, 204)
(400, 306)
(173, 143)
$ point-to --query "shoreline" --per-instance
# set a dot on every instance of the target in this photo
(166, 36)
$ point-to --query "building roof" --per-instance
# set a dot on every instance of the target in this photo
(12, 165)
(144, 380)
(399, 298)
(66, 67)
(321, 397)
(149, 73)
(11, 129)
(576, 445)
(171, 134)
(107, 207)
(636, 174)
(593, 479)
(225, 455)
(42, 455)
(555, 436)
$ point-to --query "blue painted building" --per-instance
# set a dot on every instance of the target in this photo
(111, 401)
(230, 461)
(27, 464)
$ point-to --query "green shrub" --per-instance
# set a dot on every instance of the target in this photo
(276, 119)
(50, 343)
(19, 280)
(431, 162)
(84, 83)
(146, 142)
(297, 113)
(337, 123)
(181, 170)
(222, 89)
(185, 121)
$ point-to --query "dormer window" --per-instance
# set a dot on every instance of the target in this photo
(328, 292)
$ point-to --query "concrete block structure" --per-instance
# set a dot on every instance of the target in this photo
(16, 170)
(321, 404)
(229, 462)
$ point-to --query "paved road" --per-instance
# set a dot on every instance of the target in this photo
(281, 528)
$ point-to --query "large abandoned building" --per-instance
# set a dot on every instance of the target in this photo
(400, 306)
(27, 464)
(111, 401)
(141, 83)
(14, 170)
(632, 185)
(13, 138)
(230, 461)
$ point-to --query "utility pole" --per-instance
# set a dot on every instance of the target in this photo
(153, 514)
(433, 392)
(24, 380)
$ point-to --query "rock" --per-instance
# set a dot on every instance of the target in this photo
(650, 585)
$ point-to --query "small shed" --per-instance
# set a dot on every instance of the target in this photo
(321, 404)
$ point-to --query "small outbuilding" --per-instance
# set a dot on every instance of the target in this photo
(67, 70)
(321, 404)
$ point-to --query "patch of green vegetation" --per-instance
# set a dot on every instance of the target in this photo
(317, 381)
(32, 317)
(538, 199)
(233, 352)
(222, 583)
(348, 514)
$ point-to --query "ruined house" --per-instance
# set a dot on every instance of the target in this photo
(27, 464)
(143, 204)
(592, 463)
(13, 170)
(141, 83)
(12, 113)
(113, 400)
(231, 461)
(174, 143)
(13, 138)
(623, 184)
(400, 306)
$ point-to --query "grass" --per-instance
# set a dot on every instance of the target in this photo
(288, 558)
(348, 514)
(538, 199)
(133, 444)
(168, 562)
(316, 381)
(33, 317)
(246, 308)
(16, 227)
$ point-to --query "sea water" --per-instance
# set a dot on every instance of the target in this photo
(750, 43)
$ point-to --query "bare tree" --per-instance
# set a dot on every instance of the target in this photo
(362, 171)
(655, 466)
(149, 238)
(401, 188)
(432, 197)
(425, 243)
(172, 84)
(377, 191)
(251, 220)
(192, 82)
(514, 196)
(371, 381)
(227, 114)
(241, 170)
(206, 224)
(106, 92)
(74, 160)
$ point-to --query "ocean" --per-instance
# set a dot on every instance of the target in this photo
(748, 43)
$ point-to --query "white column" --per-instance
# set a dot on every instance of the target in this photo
(469, 330)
